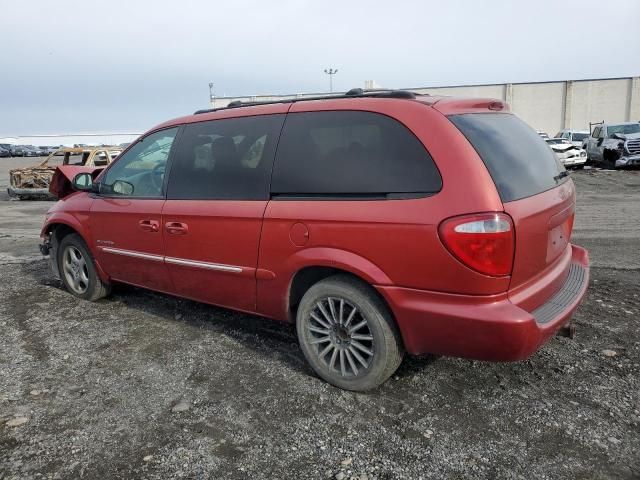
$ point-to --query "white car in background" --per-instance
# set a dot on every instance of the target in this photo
(570, 155)
(577, 137)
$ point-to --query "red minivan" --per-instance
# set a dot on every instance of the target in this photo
(380, 222)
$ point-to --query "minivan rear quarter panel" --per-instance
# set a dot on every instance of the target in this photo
(385, 242)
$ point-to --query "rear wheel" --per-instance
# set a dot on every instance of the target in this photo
(347, 334)
(77, 269)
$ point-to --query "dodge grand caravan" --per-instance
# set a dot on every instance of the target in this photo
(378, 222)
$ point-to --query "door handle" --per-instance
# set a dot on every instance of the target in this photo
(176, 228)
(149, 225)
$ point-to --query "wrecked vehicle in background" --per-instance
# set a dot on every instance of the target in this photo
(614, 145)
(568, 154)
(34, 181)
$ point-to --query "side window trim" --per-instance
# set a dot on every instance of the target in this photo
(166, 176)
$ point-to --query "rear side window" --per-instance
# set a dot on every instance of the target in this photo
(519, 161)
(342, 153)
(227, 159)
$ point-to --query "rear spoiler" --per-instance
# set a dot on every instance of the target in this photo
(62, 181)
(456, 105)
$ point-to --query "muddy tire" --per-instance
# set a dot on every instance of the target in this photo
(78, 271)
(347, 334)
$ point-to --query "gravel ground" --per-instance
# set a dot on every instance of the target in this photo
(143, 385)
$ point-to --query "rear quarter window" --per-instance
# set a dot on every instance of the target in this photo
(519, 161)
(351, 153)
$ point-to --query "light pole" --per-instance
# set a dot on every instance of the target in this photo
(331, 72)
(211, 93)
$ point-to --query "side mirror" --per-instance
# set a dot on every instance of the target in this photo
(83, 182)
(122, 188)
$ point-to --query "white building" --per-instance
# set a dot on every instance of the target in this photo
(546, 106)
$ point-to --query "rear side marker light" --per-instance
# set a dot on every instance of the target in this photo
(484, 242)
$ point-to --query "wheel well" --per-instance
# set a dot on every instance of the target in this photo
(309, 276)
(610, 154)
(60, 230)
(57, 232)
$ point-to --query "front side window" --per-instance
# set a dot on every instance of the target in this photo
(140, 172)
(343, 153)
(596, 132)
(226, 159)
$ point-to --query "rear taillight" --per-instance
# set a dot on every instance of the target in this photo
(484, 242)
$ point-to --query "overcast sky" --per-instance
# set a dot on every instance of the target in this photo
(72, 66)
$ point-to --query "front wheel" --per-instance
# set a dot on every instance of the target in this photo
(78, 271)
(347, 334)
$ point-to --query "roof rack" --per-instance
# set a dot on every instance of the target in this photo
(353, 93)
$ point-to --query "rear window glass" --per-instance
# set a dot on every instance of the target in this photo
(342, 153)
(519, 161)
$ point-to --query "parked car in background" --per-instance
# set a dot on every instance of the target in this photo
(33, 181)
(569, 154)
(47, 150)
(6, 146)
(16, 150)
(359, 227)
(4, 152)
(30, 151)
(577, 137)
(614, 145)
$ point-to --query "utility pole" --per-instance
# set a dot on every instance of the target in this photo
(211, 93)
(331, 72)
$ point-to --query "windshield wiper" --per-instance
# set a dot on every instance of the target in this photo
(561, 175)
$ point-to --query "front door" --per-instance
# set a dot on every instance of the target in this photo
(126, 216)
(218, 190)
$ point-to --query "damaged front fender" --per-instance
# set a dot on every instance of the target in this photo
(613, 150)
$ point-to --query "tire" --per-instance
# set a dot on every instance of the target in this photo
(78, 271)
(357, 359)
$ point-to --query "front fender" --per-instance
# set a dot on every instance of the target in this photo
(65, 218)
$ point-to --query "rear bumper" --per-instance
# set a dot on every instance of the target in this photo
(485, 327)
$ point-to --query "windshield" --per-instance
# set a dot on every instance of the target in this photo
(624, 129)
(578, 137)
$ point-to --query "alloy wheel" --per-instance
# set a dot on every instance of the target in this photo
(341, 336)
(75, 270)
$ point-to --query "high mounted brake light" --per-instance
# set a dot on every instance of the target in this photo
(484, 242)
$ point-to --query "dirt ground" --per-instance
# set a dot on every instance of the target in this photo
(143, 385)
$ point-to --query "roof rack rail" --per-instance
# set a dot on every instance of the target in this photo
(353, 93)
